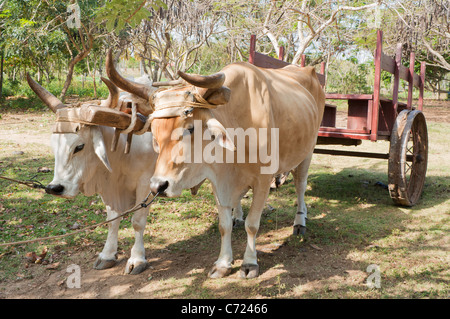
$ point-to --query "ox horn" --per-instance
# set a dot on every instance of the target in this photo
(168, 83)
(113, 98)
(214, 81)
(49, 99)
(135, 88)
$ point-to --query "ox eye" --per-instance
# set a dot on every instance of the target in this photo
(78, 148)
(190, 129)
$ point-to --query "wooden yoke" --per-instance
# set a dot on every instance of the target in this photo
(97, 115)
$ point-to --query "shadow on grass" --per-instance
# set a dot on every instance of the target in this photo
(29, 213)
(347, 213)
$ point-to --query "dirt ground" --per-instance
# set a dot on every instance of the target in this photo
(187, 268)
(166, 269)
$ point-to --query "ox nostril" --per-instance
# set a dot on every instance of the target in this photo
(163, 186)
(158, 186)
(57, 189)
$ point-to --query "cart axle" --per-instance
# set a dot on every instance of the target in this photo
(409, 158)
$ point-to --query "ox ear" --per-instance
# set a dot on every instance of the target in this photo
(217, 96)
(221, 135)
(100, 147)
(155, 145)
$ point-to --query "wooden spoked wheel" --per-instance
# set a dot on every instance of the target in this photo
(408, 157)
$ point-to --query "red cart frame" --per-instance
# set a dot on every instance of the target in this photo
(374, 117)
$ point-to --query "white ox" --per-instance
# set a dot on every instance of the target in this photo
(84, 163)
(289, 100)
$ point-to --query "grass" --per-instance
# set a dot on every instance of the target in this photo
(25, 100)
(352, 224)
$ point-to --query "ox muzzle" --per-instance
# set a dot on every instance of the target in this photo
(54, 189)
(158, 185)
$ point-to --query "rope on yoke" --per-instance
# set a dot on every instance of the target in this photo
(142, 204)
(129, 129)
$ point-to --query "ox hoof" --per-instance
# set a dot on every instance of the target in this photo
(249, 271)
(104, 264)
(219, 272)
(238, 223)
(299, 230)
(135, 268)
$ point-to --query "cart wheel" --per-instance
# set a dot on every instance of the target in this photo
(408, 157)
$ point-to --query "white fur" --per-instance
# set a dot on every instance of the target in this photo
(122, 180)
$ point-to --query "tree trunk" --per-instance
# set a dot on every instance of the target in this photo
(155, 73)
(80, 56)
(439, 90)
(301, 49)
(92, 74)
(1, 74)
(100, 70)
(95, 84)
(69, 76)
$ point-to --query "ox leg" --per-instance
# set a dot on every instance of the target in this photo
(238, 216)
(108, 257)
(300, 179)
(137, 262)
(238, 213)
(250, 267)
(222, 267)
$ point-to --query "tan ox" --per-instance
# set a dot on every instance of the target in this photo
(284, 107)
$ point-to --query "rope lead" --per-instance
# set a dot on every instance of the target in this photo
(143, 204)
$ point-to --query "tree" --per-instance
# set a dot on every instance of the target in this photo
(37, 36)
(424, 27)
(22, 42)
(315, 18)
(169, 39)
(77, 23)
(86, 41)
(1, 49)
(120, 14)
(298, 25)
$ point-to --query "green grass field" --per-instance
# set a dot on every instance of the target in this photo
(352, 224)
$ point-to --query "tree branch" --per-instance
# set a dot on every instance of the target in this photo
(266, 30)
(68, 33)
(444, 64)
(136, 11)
(314, 33)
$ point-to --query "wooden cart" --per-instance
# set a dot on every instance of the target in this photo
(373, 117)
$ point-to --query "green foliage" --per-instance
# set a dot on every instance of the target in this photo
(79, 88)
(386, 78)
(351, 75)
(25, 40)
(34, 39)
(356, 81)
(214, 58)
(119, 14)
